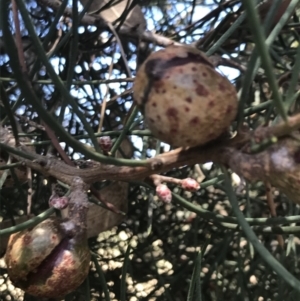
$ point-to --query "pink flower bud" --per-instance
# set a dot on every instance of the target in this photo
(190, 184)
(58, 202)
(105, 143)
(164, 193)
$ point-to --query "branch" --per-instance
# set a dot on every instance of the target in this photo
(162, 163)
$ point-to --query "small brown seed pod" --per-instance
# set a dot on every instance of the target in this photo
(185, 101)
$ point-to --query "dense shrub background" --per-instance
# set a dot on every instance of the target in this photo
(165, 239)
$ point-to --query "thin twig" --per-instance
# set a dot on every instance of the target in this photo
(57, 145)
(104, 102)
(105, 202)
(271, 204)
(157, 179)
(29, 190)
(19, 37)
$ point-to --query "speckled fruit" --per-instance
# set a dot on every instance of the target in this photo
(47, 261)
(185, 101)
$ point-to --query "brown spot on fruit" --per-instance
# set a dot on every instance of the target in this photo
(186, 109)
(204, 74)
(151, 120)
(229, 109)
(158, 117)
(154, 104)
(194, 69)
(201, 90)
(188, 99)
(194, 121)
(173, 131)
(172, 113)
(211, 104)
(222, 87)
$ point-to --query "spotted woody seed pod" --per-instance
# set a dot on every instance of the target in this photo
(52, 259)
(185, 101)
